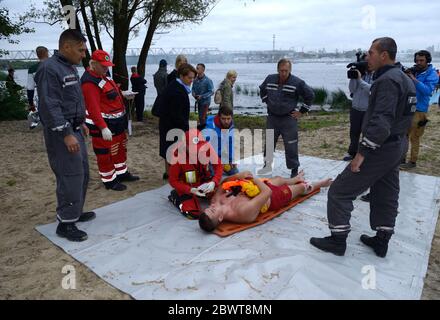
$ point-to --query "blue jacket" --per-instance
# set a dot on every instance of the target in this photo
(425, 86)
(204, 88)
(213, 130)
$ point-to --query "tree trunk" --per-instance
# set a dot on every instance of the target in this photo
(95, 25)
(154, 22)
(87, 26)
(120, 44)
(64, 3)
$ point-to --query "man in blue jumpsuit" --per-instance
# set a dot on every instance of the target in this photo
(62, 113)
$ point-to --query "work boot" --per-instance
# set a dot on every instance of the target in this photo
(335, 244)
(379, 243)
(408, 166)
(266, 170)
(115, 185)
(87, 216)
(294, 173)
(127, 177)
(366, 197)
(71, 232)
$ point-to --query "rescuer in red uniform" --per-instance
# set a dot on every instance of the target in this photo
(195, 171)
(107, 121)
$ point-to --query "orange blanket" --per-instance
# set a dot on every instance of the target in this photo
(226, 229)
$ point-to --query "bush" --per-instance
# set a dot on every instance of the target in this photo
(12, 106)
(321, 95)
(237, 89)
(340, 100)
(3, 76)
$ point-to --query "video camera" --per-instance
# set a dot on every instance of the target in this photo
(361, 64)
(413, 70)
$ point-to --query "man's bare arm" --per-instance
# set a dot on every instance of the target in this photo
(250, 210)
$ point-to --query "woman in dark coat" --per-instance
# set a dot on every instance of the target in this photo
(174, 109)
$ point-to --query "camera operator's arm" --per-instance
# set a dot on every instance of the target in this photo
(353, 85)
(427, 87)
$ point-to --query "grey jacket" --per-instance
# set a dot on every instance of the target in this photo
(283, 99)
(360, 88)
(61, 103)
(160, 80)
(391, 108)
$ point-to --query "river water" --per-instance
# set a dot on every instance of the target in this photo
(331, 76)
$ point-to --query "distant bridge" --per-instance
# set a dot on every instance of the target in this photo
(30, 55)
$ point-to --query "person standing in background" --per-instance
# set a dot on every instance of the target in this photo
(138, 85)
(160, 78)
(180, 59)
(202, 91)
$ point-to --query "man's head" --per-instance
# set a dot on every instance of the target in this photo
(42, 53)
(163, 63)
(100, 62)
(382, 52)
(422, 59)
(201, 70)
(133, 69)
(186, 73)
(211, 218)
(284, 69)
(232, 76)
(72, 45)
(225, 115)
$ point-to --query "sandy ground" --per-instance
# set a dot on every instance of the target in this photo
(31, 267)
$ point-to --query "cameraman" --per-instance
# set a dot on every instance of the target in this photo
(425, 79)
(360, 92)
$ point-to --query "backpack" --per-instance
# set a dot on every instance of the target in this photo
(218, 96)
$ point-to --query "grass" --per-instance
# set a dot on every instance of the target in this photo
(11, 183)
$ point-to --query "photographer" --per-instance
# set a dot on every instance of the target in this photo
(360, 92)
(425, 79)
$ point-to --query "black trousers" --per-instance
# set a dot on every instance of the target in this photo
(380, 173)
(139, 102)
(356, 119)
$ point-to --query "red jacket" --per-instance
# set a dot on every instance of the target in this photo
(103, 99)
(179, 173)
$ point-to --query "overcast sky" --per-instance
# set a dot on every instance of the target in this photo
(311, 24)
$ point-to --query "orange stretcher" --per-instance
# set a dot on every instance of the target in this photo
(226, 229)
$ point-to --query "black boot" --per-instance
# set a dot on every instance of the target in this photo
(115, 185)
(87, 216)
(127, 177)
(335, 244)
(379, 243)
(71, 232)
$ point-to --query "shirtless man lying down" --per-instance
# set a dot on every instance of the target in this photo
(275, 193)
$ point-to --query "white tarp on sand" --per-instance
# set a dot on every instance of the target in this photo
(144, 247)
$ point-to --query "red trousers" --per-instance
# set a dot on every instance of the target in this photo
(111, 156)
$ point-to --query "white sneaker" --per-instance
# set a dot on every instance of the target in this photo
(266, 170)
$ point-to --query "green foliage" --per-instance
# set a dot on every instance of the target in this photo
(238, 89)
(340, 100)
(321, 95)
(9, 28)
(13, 105)
(3, 76)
